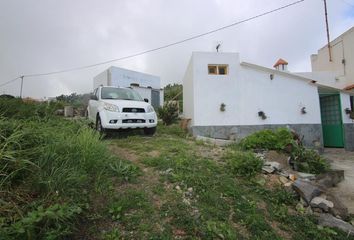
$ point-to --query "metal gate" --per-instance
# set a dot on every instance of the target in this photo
(332, 125)
(155, 98)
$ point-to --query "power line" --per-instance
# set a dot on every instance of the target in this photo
(161, 47)
(5, 83)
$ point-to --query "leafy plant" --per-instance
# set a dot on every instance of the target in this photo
(124, 170)
(51, 222)
(243, 163)
(268, 139)
(308, 160)
(168, 113)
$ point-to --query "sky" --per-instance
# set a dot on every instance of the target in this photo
(38, 36)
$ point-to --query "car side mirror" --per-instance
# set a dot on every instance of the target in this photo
(146, 100)
(93, 97)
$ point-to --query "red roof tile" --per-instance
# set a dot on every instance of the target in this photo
(280, 62)
(350, 87)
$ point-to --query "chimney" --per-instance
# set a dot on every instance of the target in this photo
(281, 65)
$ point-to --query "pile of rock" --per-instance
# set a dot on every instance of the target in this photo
(313, 191)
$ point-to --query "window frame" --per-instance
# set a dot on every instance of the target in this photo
(217, 67)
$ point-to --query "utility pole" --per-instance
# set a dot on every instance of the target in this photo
(327, 28)
(21, 86)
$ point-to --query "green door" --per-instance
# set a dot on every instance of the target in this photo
(332, 126)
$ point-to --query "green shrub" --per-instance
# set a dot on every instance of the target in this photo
(308, 160)
(243, 163)
(168, 113)
(48, 223)
(268, 139)
(48, 166)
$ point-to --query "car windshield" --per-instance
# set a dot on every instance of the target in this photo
(120, 93)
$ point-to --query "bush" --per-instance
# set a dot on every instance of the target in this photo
(48, 166)
(243, 163)
(268, 139)
(168, 113)
(308, 160)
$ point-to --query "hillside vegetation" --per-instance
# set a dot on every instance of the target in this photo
(60, 180)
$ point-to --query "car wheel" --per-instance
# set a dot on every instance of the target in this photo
(99, 127)
(150, 131)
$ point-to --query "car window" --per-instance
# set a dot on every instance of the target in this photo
(120, 93)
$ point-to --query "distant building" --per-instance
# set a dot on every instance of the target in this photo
(341, 66)
(228, 99)
(148, 86)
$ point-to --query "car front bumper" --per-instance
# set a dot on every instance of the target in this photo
(118, 120)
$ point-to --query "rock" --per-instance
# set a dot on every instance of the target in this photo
(327, 220)
(292, 177)
(317, 210)
(288, 184)
(283, 180)
(190, 189)
(330, 178)
(306, 190)
(268, 169)
(319, 202)
(339, 208)
(352, 222)
(309, 211)
(308, 176)
(178, 188)
(302, 201)
(284, 173)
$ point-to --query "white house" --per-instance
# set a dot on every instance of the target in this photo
(229, 99)
(338, 61)
(148, 86)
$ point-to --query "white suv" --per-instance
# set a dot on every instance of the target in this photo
(120, 108)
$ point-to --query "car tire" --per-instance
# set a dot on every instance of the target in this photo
(99, 127)
(150, 131)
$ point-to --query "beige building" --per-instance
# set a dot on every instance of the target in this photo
(340, 70)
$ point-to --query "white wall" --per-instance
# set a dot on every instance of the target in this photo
(345, 103)
(188, 93)
(245, 91)
(123, 78)
(101, 79)
(341, 48)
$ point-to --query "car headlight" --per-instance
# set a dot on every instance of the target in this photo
(150, 109)
(110, 107)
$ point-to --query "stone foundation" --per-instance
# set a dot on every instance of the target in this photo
(311, 133)
(348, 136)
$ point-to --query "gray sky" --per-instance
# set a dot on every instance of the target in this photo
(48, 35)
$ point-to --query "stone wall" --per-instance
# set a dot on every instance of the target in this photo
(348, 136)
(311, 133)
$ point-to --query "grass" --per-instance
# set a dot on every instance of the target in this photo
(198, 195)
(60, 180)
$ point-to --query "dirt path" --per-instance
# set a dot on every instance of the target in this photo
(341, 159)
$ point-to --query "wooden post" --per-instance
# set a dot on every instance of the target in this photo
(327, 28)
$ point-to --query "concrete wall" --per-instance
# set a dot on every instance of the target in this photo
(348, 123)
(245, 91)
(310, 133)
(345, 103)
(341, 48)
(101, 79)
(188, 92)
(123, 78)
